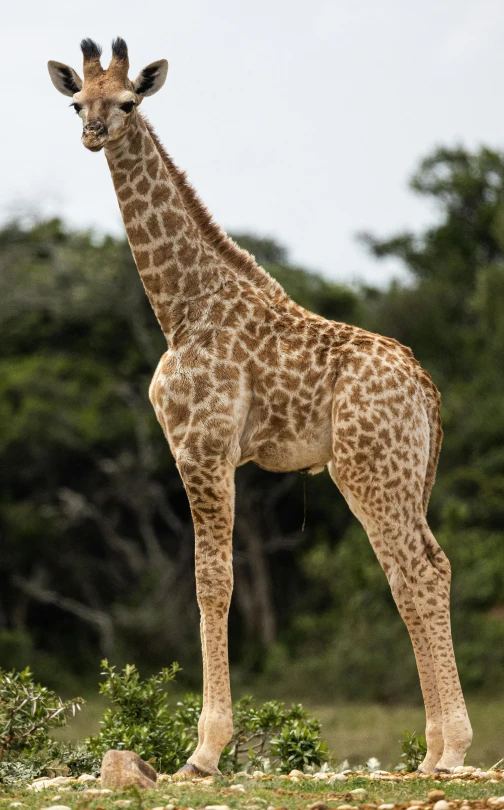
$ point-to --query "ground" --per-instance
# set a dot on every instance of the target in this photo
(469, 792)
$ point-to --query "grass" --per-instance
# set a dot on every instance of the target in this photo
(358, 731)
(258, 794)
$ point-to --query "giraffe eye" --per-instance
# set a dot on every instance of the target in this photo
(77, 107)
(127, 106)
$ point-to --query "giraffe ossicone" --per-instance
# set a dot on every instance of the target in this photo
(249, 375)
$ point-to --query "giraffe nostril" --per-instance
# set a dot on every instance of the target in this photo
(95, 128)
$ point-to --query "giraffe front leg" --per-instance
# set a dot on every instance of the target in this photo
(210, 488)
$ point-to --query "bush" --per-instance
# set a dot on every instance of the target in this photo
(414, 750)
(28, 714)
(141, 720)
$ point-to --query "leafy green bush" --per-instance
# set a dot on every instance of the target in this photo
(28, 714)
(414, 749)
(141, 720)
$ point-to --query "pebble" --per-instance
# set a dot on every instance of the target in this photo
(359, 793)
(385, 807)
(337, 777)
(16, 804)
(123, 802)
(56, 798)
(321, 776)
(255, 775)
(442, 804)
(318, 806)
(435, 795)
(496, 801)
(297, 773)
(58, 807)
(217, 807)
(238, 788)
(415, 807)
(345, 807)
(86, 777)
(294, 779)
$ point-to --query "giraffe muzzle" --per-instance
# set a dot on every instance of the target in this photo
(95, 135)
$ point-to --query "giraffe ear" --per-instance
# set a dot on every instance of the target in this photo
(64, 78)
(151, 78)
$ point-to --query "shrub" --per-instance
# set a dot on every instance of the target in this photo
(414, 749)
(141, 720)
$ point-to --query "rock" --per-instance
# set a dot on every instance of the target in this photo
(415, 807)
(86, 777)
(123, 802)
(294, 779)
(96, 792)
(238, 788)
(442, 804)
(318, 806)
(359, 793)
(164, 777)
(322, 775)
(435, 795)
(257, 774)
(58, 807)
(16, 804)
(338, 777)
(297, 773)
(385, 807)
(122, 769)
(495, 801)
(217, 807)
(345, 807)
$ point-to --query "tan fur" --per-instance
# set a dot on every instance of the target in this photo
(249, 375)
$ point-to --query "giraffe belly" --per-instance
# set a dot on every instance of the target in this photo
(305, 453)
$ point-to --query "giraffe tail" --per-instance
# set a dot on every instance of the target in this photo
(432, 406)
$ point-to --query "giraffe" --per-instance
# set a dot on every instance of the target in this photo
(249, 375)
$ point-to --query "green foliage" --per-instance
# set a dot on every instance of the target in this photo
(299, 746)
(254, 743)
(142, 719)
(414, 750)
(28, 713)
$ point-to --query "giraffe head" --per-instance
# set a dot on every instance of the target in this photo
(107, 99)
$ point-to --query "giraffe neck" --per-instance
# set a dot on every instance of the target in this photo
(183, 257)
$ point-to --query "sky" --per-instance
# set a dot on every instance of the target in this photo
(297, 120)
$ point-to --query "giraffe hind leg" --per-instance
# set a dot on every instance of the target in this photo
(380, 459)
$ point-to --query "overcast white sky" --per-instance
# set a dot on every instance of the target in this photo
(300, 120)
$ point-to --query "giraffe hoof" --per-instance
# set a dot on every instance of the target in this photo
(188, 771)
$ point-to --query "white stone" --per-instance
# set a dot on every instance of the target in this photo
(217, 807)
(385, 807)
(359, 793)
(239, 788)
(415, 807)
(441, 804)
(321, 776)
(256, 775)
(16, 804)
(86, 777)
(496, 801)
(297, 773)
(58, 807)
(338, 777)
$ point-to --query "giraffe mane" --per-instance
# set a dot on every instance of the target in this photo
(238, 258)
